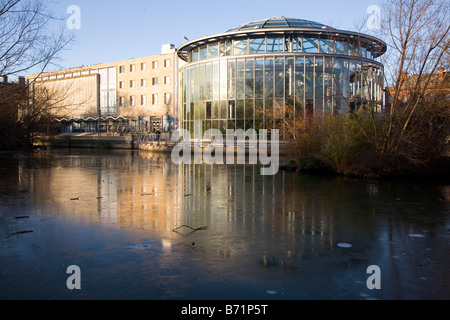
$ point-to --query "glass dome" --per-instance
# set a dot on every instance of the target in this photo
(280, 23)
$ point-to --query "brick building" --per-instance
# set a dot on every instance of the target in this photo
(438, 88)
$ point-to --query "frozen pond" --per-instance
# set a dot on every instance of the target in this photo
(140, 227)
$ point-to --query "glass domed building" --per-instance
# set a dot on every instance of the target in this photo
(251, 76)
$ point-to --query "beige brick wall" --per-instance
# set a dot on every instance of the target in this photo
(155, 69)
(74, 97)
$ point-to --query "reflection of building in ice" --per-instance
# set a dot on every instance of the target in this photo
(246, 211)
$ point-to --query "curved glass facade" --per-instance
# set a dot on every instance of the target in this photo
(247, 81)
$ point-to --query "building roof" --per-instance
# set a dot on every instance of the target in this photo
(277, 26)
(280, 23)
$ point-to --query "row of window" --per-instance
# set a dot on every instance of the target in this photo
(167, 64)
(310, 44)
(143, 100)
(143, 66)
(167, 80)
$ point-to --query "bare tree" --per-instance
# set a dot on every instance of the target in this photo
(31, 38)
(418, 33)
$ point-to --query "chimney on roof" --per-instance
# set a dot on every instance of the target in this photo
(22, 81)
(5, 79)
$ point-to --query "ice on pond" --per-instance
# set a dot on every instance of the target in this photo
(413, 235)
(344, 245)
(138, 247)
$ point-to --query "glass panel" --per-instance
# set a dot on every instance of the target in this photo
(327, 46)
(259, 78)
(249, 78)
(223, 80)
(268, 79)
(279, 108)
(309, 78)
(195, 55)
(231, 79)
(208, 108)
(299, 85)
(223, 112)
(258, 45)
(310, 45)
(232, 109)
(296, 44)
(240, 47)
(215, 110)
(225, 48)
(288, 44)
(249, 113)
(209, 81)
(202, 81)
(328, 85)
(213, 51)
(240, 110)
(240, 79)
(341, 47)
(269, 113)
(216, 80)
(279, 77)
(259, 114)
(319, 84)
(353, 48)
(289, 81)
(203, 52)
(275, 45)
(276, 24)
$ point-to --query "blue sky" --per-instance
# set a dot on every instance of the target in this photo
(119, 30)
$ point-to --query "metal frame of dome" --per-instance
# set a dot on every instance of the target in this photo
(280, 22)
(289, 26)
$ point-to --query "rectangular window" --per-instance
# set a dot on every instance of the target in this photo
(167, 98)
(240, 47)
(155, 81)
(132, 84)
(311, 45)
(122, 84)
(167, 63)
(258, 45)
(203, 51)
(213, 50)
(208, 109)
(232, 109)
(225, 48)
(143, 82)
(122, 101)
(166, 80)
(132, 101)
(122, 69)
(143, 66)
(143, 100)
(155, 64)
(154, 99)
(132, 68)
(275, 45)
